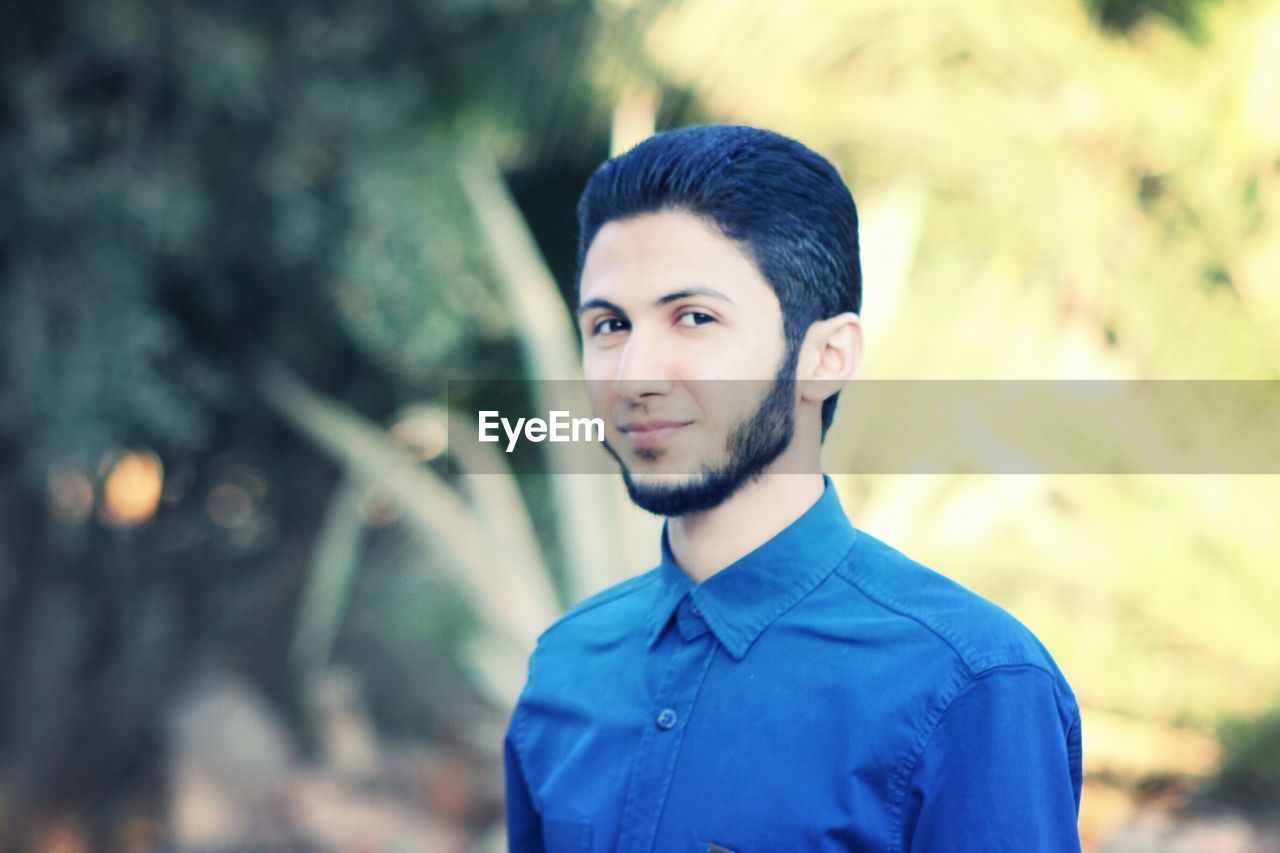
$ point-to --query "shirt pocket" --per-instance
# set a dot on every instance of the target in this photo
(566, 835)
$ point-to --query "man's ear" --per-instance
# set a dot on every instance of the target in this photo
(829, 355)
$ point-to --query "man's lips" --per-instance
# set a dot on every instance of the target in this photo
(651, 433)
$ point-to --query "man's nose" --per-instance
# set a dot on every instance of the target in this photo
(643, 370)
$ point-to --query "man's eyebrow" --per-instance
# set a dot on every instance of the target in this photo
(698, 290)
(600, 303)
(659, 302)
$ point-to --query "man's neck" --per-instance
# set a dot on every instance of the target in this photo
(706, 542)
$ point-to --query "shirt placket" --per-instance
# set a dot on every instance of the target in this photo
(673, 705)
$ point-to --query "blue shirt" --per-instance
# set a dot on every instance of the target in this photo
(824, 692)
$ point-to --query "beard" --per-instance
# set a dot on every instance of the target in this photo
(752, 446)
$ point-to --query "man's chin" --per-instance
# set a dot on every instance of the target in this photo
(679, 494)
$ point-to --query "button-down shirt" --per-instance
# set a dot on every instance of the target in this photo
(823, 692)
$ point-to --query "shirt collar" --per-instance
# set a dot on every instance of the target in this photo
(742, 599)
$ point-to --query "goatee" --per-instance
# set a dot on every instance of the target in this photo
(752, 446)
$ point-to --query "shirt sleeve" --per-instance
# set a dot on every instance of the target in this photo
(524, 826)
(1001, 770)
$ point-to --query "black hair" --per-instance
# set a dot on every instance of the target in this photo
(785, 205)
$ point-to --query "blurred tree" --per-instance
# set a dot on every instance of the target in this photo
(1125, 15)
(187, 188)
(1249, 777)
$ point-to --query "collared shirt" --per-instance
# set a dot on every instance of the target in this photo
(823, 692)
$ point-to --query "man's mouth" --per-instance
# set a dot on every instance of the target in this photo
(644, 434)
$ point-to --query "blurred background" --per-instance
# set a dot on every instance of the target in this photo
(244, 246)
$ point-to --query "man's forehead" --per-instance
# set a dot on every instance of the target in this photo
(641, 260)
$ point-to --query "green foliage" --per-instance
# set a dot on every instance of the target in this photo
(1249, 776)
(186, 187)
(414, 287)
(1124, 15)
(91, 361)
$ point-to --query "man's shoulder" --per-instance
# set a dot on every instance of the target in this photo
(618, 605)
(980, 633)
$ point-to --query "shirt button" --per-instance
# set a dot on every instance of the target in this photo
(693, 606)
(666, 719)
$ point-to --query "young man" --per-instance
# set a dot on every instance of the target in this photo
(781, 681)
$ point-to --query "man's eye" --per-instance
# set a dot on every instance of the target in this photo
(602, 326)
(698, 318)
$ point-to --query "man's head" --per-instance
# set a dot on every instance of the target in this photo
(714, 253)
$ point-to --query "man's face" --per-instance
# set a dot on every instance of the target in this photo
(672, 312)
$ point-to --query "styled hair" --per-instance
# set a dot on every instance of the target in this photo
(785, 205)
